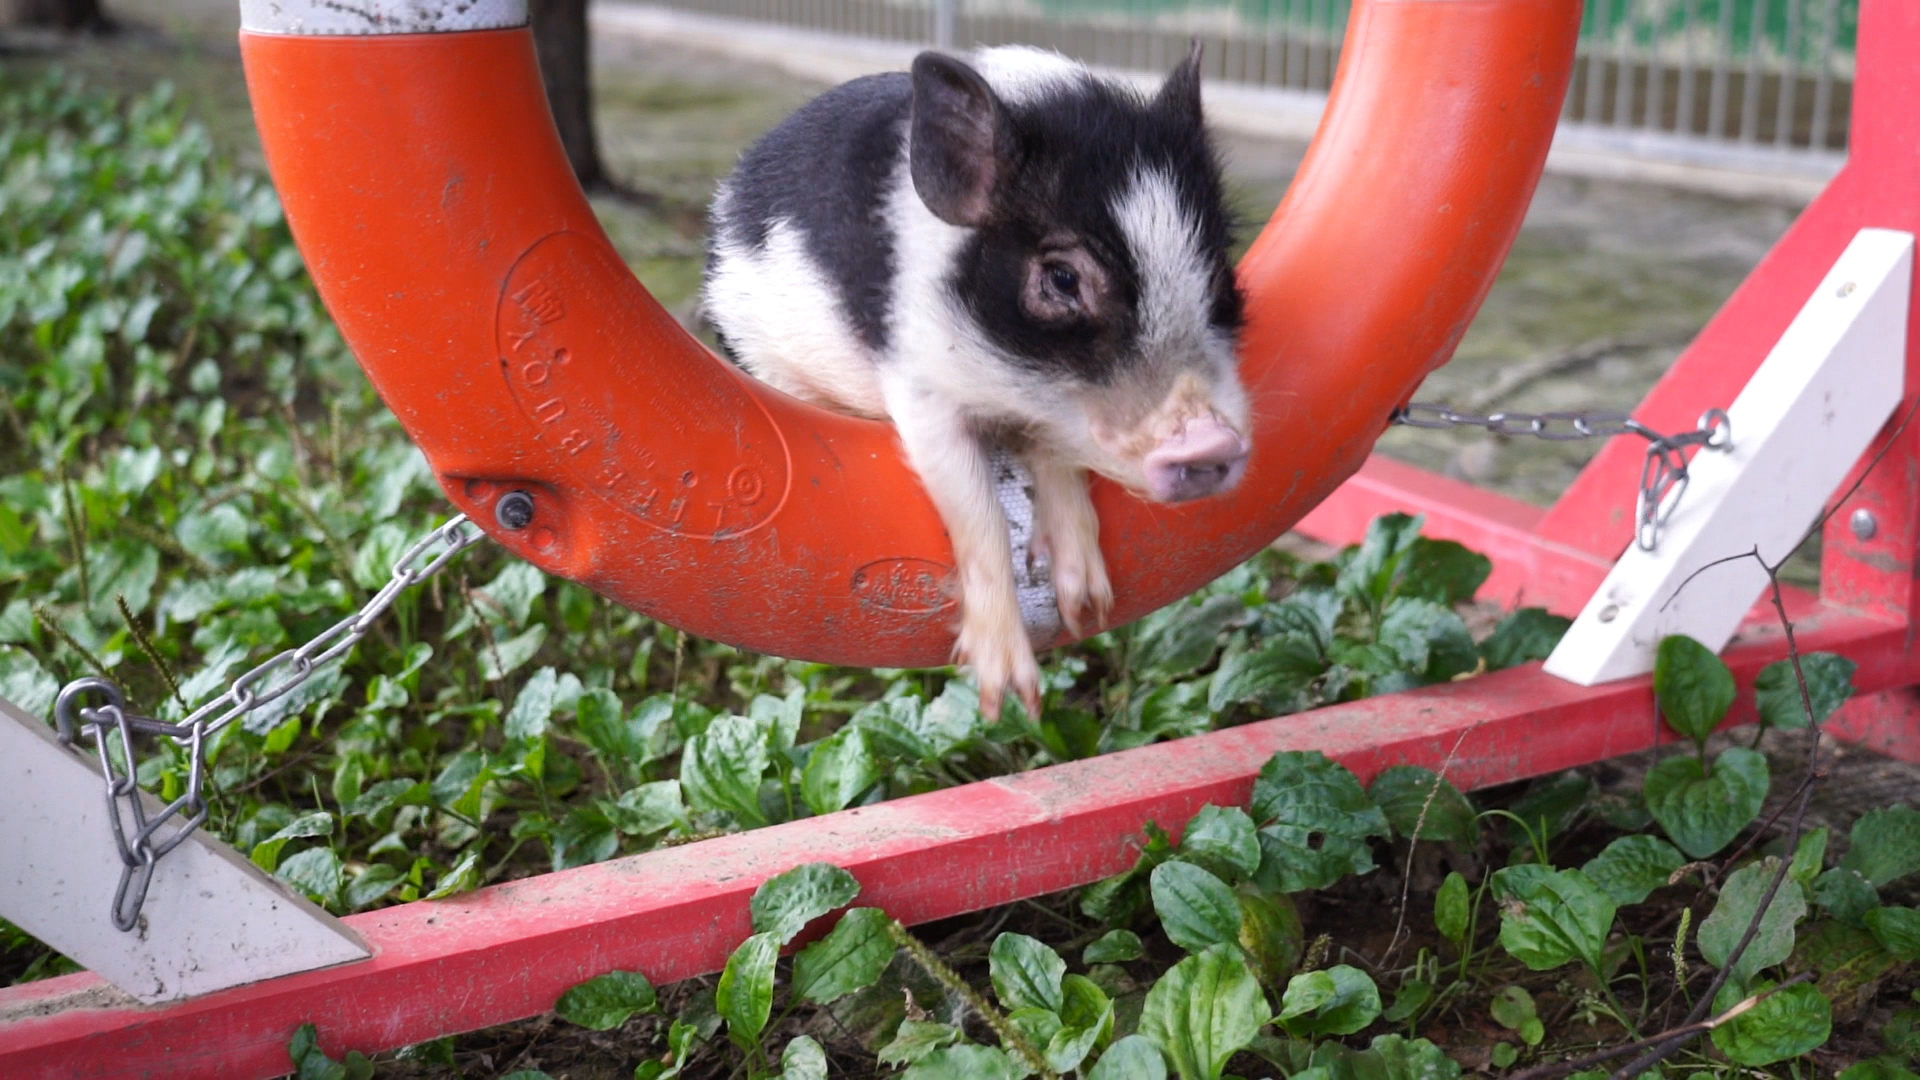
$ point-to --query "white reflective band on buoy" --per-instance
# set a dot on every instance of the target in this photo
(354, 17)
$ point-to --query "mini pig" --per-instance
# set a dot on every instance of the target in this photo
(1009, 250)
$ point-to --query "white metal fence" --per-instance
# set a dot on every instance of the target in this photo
(1773, 75)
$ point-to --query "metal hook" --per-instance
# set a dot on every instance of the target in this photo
(69, 699)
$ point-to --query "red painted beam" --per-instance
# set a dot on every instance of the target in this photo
(507, 952)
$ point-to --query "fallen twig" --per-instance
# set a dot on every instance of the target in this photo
(1676, 1035)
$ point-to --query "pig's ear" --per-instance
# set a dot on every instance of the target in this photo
(957, 154)
(1180, 94)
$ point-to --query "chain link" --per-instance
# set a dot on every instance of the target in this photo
(113, 727)
(1663, 476)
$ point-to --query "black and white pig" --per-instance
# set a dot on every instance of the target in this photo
(1005, 250)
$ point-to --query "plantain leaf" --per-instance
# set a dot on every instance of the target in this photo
(1314, 821)
(1631, 867)
(1025, 973)
(1223, 840)
(849, 958)
(915, 1040)
(1702, 813)
(1897, 929)
(785, 903)
(744, 997)
(604, 1002)
(1113, 947)
(1885, 845)
(1415, 798)
(1739, 899)
(1196, 909)
(1204, 1010)
(1270, 932)
(1777, 692)
(1845, 895)
(1339, 1000)
(1692, 685)
(1132, 1058)
(966, 1062)
(1785, 1025)
(840, 769)
(1451, 908)
(1526, 635)
(1559, 917)
(720, 769)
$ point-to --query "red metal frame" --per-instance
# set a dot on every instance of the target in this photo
(507, 952)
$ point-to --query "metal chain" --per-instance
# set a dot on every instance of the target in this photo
(1663, 477)
(113, 727)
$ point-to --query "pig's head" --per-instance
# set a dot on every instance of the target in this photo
(1096, 263)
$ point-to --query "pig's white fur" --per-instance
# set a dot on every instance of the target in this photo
(1020, 73)
(1173, 282)
(778, 302)
(942, 381)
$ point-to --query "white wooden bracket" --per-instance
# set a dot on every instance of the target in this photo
(211, 919)
(1801, 424)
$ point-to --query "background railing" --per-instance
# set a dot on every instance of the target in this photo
(1767, 74)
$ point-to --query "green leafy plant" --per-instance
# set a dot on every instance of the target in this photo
(1702, 805)
(1630, 868)
(1339, 1000)
(1315, 820)
(312, 1063)
(1513, 1009)
(606, 1001)
(1786, 1022)
(1552, 917)
(1694, 688)
(1203, 1011)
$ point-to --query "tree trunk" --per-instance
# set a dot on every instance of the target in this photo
(560, 36)
(68, 15)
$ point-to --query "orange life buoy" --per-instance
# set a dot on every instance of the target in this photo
(427, 190)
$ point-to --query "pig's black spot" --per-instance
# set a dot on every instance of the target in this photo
(827, 169)
(1079, 147)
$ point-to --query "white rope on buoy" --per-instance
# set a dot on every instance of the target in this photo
(331, 18)
(1032, 576)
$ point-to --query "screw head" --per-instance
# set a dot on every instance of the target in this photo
(514, 510)
(1863, 524)
(1609, 613)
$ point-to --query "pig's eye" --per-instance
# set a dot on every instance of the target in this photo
(1063, 287)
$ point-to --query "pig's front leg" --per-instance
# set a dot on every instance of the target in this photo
(1069, 532)
(952, 464)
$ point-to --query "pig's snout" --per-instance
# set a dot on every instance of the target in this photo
(1205, 457)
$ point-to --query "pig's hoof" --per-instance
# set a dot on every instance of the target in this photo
(1000, 658)
(1080, 584)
